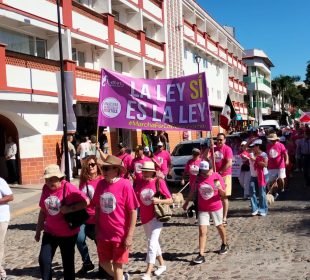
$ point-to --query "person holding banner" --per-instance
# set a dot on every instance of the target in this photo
(223, 162)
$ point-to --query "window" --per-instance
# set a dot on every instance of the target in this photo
(22, 43)
(79, 57)
(147, 74)
(194, 57)
(88, 3)
(116, 15)
(205, 63)
(185, 53)
(218, 70)
(118, 66)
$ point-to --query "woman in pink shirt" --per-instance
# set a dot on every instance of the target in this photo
(209, 189)
(192, 168)
(145, 190)
(90, 176)
(57, 232)
(116, 217)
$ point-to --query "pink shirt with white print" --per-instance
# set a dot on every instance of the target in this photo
(164, 159)
(126, 159)
(145, 191)
(209, 198)
(221, 155)
(190, 167)
(136, 165)
(89, 189)
(50, 203)
(115, 201)
(276, 155)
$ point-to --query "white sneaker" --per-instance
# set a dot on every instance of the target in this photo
(146, 277)
(161, 269)
(255, 213)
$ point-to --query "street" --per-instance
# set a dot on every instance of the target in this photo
(272, 247)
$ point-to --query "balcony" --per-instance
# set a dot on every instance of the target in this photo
(34, 76)
(204, 42)
(258, 83)
(153, 10)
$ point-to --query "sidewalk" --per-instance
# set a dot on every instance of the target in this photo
(26, 198)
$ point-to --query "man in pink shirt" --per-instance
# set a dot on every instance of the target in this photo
(164, 158)
(223, 162)
(277, 160)
(116, 217)
(125, 157)
(136, 164)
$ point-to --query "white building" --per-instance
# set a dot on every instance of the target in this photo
(258, 81)
(140, 38)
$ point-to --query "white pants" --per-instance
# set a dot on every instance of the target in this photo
(152, 231)
(3, 229)
(244, 179)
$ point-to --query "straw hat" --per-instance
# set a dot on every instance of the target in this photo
(148, 166)
(273, 137)
(114, 161)
(53, 170)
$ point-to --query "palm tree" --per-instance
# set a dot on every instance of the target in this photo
(285, 87)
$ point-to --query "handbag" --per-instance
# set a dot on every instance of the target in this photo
(163, 212)
(77, 218)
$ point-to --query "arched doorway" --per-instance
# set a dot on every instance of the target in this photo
(7, 128)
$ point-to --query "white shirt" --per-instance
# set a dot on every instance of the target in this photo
(4, 208)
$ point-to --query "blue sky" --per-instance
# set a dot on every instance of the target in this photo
(281, 28)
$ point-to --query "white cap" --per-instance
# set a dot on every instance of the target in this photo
(243, 143)
(160, 144)
(204, 165)
(258, 142)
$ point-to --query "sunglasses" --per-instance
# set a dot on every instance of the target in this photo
(92, 164)
(107, 168)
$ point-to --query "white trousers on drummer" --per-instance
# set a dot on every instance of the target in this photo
(3, 230)
(152, 231)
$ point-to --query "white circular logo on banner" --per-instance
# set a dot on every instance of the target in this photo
(107, 202)
(111, 107)
(206, 191)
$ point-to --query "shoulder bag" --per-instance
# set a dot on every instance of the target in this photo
(77, 218)
(163, 212)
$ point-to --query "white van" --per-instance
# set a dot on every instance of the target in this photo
(274, 124)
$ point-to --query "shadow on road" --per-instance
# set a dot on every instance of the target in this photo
(31, 226)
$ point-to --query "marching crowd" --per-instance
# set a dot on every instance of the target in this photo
(116, 190)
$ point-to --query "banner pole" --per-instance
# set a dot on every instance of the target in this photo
(212, 151)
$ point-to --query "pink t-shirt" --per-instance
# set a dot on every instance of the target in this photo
(145, 191)
(136, 165)
(221, 155)
(89, 189)
(165, 161)
(191, 166)
(244, 155)
(50, 203)
(126, 159)
(260, 170)
(209, 198)
(276, 155)
(114, 201)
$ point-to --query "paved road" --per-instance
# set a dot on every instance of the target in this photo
(263, 248)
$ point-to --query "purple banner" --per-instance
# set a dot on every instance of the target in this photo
(162, 104)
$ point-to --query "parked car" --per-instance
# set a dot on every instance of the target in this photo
(270, 124)
(180, 155)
